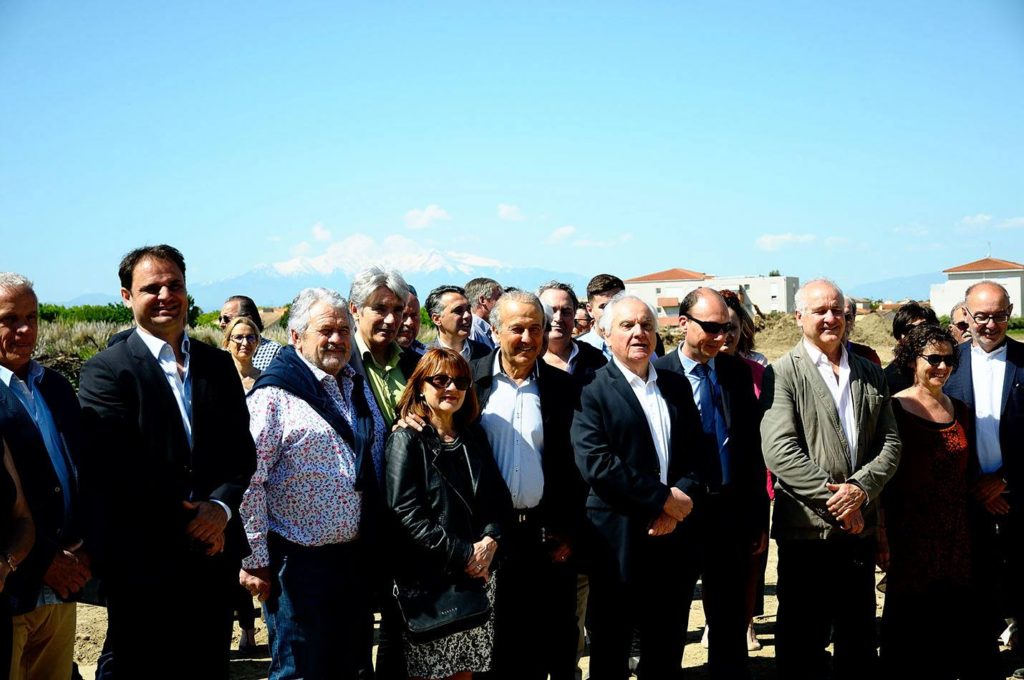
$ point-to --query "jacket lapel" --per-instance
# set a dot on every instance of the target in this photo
(822, 394)
(152, 375)
(1014, 358)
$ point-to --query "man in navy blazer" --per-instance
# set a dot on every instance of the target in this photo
(168, 456)
(639, 445)
(39, 417)
(734, 519)
(990, 379)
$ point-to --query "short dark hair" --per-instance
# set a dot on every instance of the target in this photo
(914, 342)
(160, 252)
(438, 361)
(906, 315)
(747, 328)
(247, 307)
(689, 301)
(558, 285)
(433, 303)
(602, 284)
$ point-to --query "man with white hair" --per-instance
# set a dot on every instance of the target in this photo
(829, 436)
(40, 422)
(640, 446)
(482, 294)
(377, 300)
(310, 508)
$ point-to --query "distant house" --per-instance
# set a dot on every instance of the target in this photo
(664, 290)
(861, 305)
(1009, 274)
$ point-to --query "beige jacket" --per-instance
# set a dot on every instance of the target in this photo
(805, 448)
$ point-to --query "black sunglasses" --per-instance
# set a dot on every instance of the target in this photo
(442, 381)
(713, 327)
(936, 359)
(582, 322)
(224, 318)
(962, 326)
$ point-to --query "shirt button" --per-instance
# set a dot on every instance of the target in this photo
(56, 489)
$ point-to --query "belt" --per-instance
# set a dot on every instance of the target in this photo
(526, 516)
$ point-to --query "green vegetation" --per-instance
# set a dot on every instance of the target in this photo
(110, 313)
(207, 319)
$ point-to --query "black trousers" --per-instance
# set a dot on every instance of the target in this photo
(823, 586)
(535, 631)
(726, 544)
(656, 602)
(998, 545)
(196, 601)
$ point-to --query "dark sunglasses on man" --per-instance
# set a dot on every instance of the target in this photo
(441, 381)
(713, 327)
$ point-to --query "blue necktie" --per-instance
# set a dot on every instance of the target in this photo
(713, 419)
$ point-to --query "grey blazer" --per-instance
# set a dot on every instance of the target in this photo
(805, 448)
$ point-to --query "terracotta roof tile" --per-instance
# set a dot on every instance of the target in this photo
(985, 264)
(668, 302)
(670, 275)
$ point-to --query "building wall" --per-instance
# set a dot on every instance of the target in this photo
(945, 295)
(769, 293)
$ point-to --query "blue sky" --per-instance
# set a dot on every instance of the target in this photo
(862, 140)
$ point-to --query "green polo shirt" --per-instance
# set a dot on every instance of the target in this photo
(387, 381)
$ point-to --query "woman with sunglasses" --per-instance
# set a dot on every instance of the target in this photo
(241, 339)
(931, 611)
(448, 501)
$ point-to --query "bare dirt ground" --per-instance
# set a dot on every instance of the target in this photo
(92, 623)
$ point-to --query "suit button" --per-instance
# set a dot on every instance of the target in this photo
(56, 489)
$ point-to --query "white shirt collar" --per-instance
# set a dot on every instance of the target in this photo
(497, 368)
(155, 345)
(320, 373)
(817, 356)
(995, 355)
(631, 377)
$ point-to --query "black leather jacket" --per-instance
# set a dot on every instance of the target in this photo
(441, 502)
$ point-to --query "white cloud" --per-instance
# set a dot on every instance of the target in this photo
(421, 218)
(771, 242)
(358, 251)
(1012, 223)
(560, 235)
(509, 213)
(609, 243)
(911, 230)
(321, 233)
(979, 220)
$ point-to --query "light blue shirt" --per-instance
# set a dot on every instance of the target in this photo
(481, 331)
(514, 427)
(688, 366)
(594, 339)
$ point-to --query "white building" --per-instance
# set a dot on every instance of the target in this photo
(1009, 274)
(664, 290)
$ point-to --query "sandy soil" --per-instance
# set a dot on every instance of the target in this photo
(92, 623)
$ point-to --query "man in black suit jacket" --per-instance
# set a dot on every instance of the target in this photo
(168, 457)
(733, 522)
(526, 410)
(639, 445)
(452, 316)
(990, 379)
(39, 417)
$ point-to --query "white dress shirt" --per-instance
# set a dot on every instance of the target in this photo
(841, 395)
(988, 370)
(514, 427)
(655, 410)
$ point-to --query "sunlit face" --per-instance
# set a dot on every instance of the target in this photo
(19, 327)
(732, 339)
(243, 341)
(988, 303)
(822, 321)
(933, 377)
(562, 313)
(230, 310)
(959, 326)
(701, 343)
(456, 317)
(327, 340)
(409, 329)
(596, 305)
(158, 298)
(521, 335)
(632, 335)
(447, 400)
(582, 323)
(378, 319)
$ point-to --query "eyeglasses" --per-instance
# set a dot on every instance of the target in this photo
(962, 326)
(936, 359)
(442, 381)
(224, 318)
(713, 327)
(582, 323)
(239, 339)
(983, 319)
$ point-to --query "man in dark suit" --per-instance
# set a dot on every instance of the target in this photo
(733, 522)
(39, 417)
(639, 445)
(990, 379)
(452, 316)
(526, 410)
(168, 456)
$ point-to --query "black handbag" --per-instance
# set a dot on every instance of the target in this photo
(432, 613)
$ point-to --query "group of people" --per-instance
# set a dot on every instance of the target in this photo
(544, 459)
